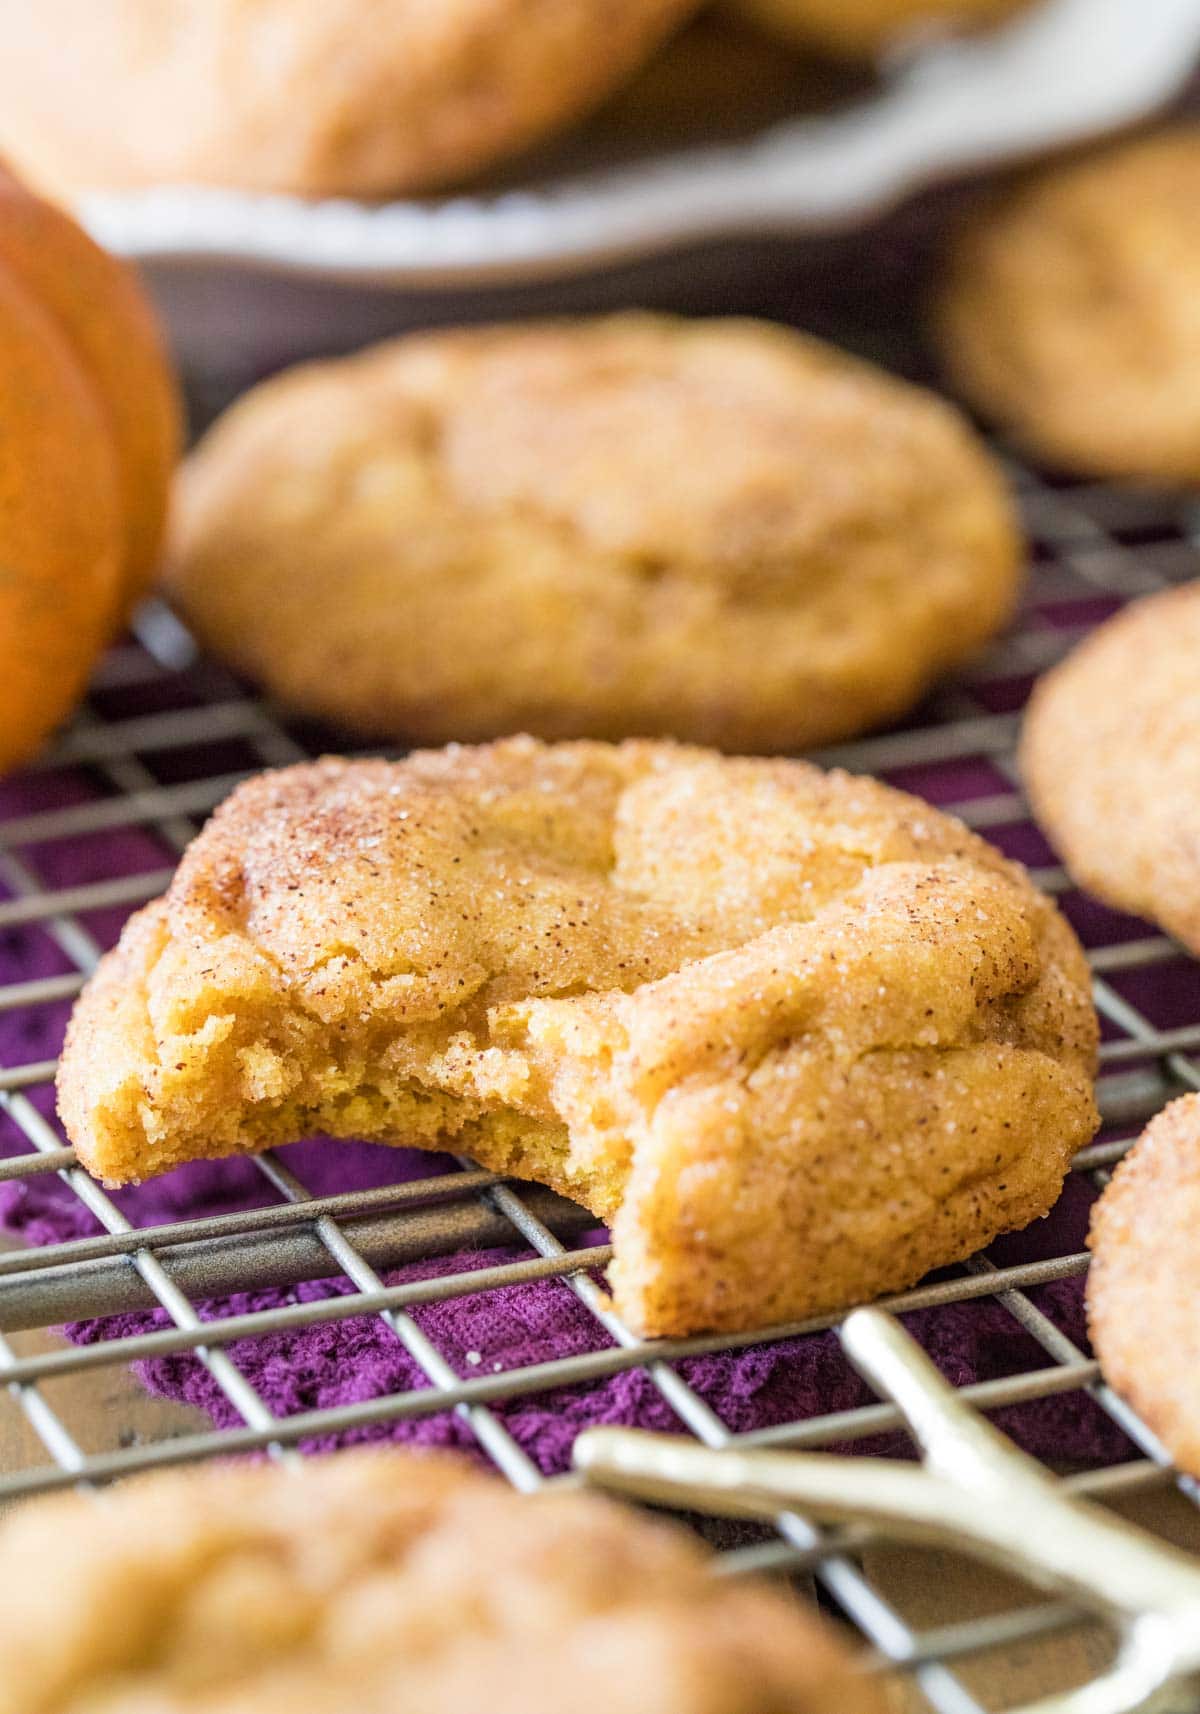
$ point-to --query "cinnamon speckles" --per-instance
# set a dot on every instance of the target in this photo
(797, 1037)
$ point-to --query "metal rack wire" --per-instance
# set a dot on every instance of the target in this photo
(159, 770)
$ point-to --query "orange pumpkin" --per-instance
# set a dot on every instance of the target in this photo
(89, 435)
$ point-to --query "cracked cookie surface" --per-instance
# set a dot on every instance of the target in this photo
(1070, 310)
(1144, 1283)
(796, 1036)
(718, 531)
(374, 1582)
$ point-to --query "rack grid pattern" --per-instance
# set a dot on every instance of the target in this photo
(159, 770)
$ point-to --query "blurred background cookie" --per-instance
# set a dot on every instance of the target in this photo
(719, 531)
(379, 1581)
(1069, 312)
(1144, 1283)
(865, 28)
(1111, 759)
(321, 100)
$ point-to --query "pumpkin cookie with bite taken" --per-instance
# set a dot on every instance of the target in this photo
(797, 1037)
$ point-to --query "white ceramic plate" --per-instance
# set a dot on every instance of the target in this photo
(1063, 71)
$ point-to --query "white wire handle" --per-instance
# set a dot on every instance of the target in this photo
(975, 1491)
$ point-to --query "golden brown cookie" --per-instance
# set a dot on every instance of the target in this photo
(1144, 1284)
(716, 530)
(1070, 310)
(374, 1582)
(1111, 759)
(345, 97)
(862, 29)
(796, 1036)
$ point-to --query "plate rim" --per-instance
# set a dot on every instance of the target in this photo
(950, 108)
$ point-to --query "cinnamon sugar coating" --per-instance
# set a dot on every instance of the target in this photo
(796, 1036)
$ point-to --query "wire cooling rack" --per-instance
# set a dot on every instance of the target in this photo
(194, 732)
